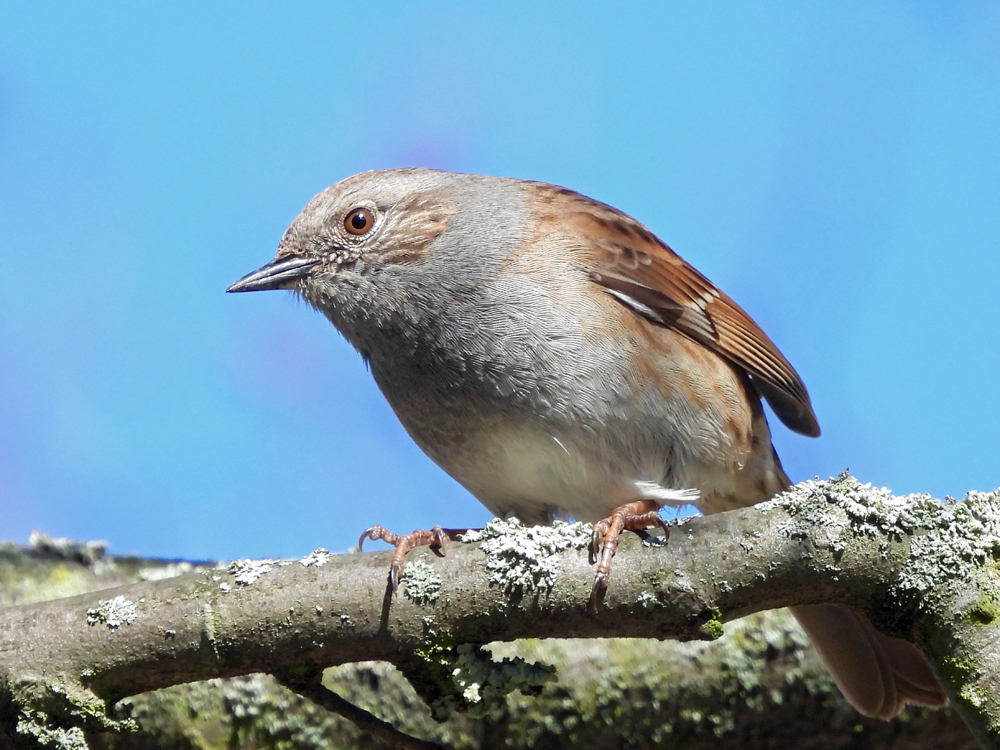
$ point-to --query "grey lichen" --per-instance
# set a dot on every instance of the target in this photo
(113, 612)
(87, 708)
(421, 583)
(483, 684)
(35, 724)
(436, 655)
(246, 572)
(522, 558)
(962, 536)
(317, 558)
(744, 682)
(949, 540)
(256, 712)
(67, 710)
(648, 600)
(808, 506)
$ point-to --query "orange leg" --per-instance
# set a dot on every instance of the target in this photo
(636, 516)
(436, 537)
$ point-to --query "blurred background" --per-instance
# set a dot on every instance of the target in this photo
(834, 167)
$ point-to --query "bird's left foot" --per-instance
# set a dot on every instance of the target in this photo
(636, 516)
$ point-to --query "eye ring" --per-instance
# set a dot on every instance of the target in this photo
(359, 221)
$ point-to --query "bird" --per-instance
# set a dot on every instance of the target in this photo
(559, 360)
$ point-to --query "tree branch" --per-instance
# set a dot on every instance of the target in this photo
(363, 720)
(919, 568)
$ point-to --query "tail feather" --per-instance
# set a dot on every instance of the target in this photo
(912, 671)
(877, 674)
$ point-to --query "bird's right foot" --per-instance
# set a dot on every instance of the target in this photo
(436, 537)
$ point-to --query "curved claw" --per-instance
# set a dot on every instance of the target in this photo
(600, 531)
(395, 571)
(380, 532)
(366, 534)
(436, 537)
(634, 516)
(598, 591)
(440, 537)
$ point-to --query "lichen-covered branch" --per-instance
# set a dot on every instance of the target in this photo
(920, 568)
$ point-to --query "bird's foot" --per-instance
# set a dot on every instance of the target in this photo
(436, 537)
(635, 516)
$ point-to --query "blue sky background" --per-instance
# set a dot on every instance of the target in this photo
(834, 167)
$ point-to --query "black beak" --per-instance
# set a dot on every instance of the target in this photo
(275, 275)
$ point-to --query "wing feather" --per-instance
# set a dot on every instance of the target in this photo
(631, 263)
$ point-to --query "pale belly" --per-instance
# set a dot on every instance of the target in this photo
(537, 476)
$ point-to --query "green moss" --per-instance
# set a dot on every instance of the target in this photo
(300, 670)
(712, 627)
(974, 697)
(957, 671)
(28, 576)
(657, 578)
(755, 681)
(961, 673)
(984, 611)
(437, 656)
(628, 693)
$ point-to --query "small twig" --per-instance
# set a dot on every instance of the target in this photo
(364, 720)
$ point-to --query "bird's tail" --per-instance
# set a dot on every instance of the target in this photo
(877, 674)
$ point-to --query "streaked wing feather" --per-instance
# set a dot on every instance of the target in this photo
(628, 260)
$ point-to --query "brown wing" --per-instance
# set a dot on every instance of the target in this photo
(632, 264)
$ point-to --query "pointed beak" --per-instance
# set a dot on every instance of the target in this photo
(275, 275)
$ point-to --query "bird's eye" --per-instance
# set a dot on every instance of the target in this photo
(359, 221)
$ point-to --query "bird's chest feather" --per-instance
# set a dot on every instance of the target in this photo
(568, 422)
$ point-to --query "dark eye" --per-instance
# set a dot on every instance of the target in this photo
(359, 221)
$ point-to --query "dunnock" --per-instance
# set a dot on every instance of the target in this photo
(557, 359)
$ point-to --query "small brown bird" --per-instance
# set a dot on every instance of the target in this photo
(557, 359)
